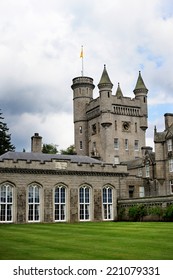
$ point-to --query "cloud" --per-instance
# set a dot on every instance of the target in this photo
(39, 56)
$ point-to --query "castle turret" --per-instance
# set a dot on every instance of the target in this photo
(105, 89)
(82, 95)
(119, 93)
(140, 92)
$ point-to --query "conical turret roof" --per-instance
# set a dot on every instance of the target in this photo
(140, 85)
(119, 93)
(105, 80)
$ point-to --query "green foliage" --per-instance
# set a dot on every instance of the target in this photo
(69, 151)
(5, 137)
(121, 213)
(49, 149)
(168, 213)
(137, 212)
(156, 211)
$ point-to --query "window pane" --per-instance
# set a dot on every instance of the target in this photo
(57, 195)
(81, 195)
(30, 195)
(104, 195)
(56, 212)
(109, 195)
(82, 212)
(37, 214)
(87, 195)
(9, 194)
(9, 212)
(86, 212)
(37, 198)
(62, 212)
(2, 212)
(62, 195)
(30, 212)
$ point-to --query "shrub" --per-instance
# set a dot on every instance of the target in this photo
(137, 212)
(156, 211)
(168, 213)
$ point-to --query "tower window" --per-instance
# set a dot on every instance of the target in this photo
(80, 129)
(108, 94)
(94, 129)
(115, 125)
(126, 144)
(80, 145)
(136, 145)
(135, 127)
(116, 144)
(144, 99)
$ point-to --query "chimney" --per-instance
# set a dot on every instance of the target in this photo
(168, 120)
(36, 143)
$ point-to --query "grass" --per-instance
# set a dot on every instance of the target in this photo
(87, 241)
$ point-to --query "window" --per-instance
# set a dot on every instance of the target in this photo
(115, 125)
(171, 165)
(80, 129)
(131, 191)
(169, 145)
(80, 145)
(60, 203)
(94, 129)
(147, 169)
(84, 203)
(116, 160)
(34, 203)
(136, 145)
(140, 172)
(107, 196)
(135, 127)
(126, 144)
(6, 203)
(116, 144)
(171, 186)
(141, 192)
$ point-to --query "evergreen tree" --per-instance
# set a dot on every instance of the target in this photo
(5, 137)
(49, 149)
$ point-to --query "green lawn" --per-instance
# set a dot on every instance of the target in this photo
(87, 241)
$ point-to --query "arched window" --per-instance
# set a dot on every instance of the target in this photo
(84, 203)
(34, 203)
(107, 196)
(6, 203)
(60, 203)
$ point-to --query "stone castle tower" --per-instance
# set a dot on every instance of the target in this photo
(111, 127)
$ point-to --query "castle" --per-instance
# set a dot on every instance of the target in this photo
(113, 167)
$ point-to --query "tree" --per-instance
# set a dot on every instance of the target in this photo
(5, 137)
(69, 151)
(49, 149)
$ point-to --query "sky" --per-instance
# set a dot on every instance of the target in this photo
(40, 44)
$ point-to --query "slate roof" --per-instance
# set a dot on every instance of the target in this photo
(105, 80)
(140, 83)
(46, 157)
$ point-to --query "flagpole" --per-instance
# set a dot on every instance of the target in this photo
(81, 56)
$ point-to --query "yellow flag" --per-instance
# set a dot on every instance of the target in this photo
(81, 53)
